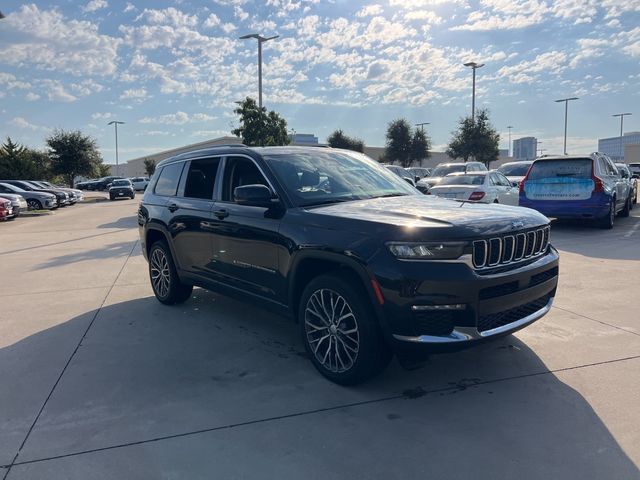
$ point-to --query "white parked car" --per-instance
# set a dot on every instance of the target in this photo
(139, 183)
(483, 187)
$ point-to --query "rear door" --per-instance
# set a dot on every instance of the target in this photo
(560, 180)
(508, 194)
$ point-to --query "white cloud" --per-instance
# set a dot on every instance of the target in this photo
(239, 13)
(95, 5)
(550, 62)
(426, 16)
(370, 10)
(20, 122)
(168, 16)
(130, 8)
(56, 91)
(46, 40)
(212, 21)
(210, 133)
(137, 93)
(228, 27)
(153, 133)
(10, 82)
(32, 97)
(178, 118)
(101, 115)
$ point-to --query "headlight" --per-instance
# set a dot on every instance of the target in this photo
(427, 251)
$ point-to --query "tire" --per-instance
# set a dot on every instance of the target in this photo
(627, 208)
(357, 355)
(496, 201)
(112, 198)
(34, 204)
(133, 196)
(165, 282)
(606, 222)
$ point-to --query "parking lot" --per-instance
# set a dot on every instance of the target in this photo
(99, 380)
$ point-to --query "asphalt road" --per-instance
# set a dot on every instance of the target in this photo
(98, 380)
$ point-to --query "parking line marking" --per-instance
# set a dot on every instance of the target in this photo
(64, 369)
(597, 321)
(633, 230)
(423, 392)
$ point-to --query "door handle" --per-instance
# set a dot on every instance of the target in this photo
(222, 213)
(173, 207)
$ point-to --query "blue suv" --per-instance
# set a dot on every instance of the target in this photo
(576, 187)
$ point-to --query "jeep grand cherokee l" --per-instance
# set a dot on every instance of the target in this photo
(364, 263)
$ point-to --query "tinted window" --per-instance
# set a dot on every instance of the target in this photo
(201, 178)
(469, 179)
(443, 170)
(121, 183)
(168, 180)
(240, 171)
(514, 169)
(578, 168)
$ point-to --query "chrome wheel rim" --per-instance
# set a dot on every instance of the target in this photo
(32, 204)
(332, 330)
(160, 275)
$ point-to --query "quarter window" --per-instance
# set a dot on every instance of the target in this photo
(201, 178)
(167, 184)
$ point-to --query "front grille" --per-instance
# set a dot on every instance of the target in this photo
(433, 322)
(507, 249)
(495, 320)
(498, 290)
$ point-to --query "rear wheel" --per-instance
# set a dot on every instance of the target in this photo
(606, 222)
(340, 332)
(34, 204)
(165, 282)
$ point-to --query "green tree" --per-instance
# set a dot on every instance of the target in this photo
(339, 140)
(475, 140)
(149, 166)
(102, 170)
(420, 146)
(39, 164)
(19, 162)
(398, 148)
(259, 127)
(73, 154)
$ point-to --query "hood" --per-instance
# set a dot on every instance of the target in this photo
(430, 181)
(414, 214)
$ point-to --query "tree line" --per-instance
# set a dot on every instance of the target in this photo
(474, 139)
(68, 154)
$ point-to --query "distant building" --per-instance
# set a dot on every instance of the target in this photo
(303, 139)
(611, 146)
(525, 148)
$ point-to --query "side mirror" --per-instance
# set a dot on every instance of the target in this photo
(253, 196)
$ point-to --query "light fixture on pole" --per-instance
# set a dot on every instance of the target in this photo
(421, 125)
(538, 142)
(566, 112)
(509, 147)
(115, 123)
(1, 16)
(261, 40)
(621, 115)
(474, 66)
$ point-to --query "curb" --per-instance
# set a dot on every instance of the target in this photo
(35, 214)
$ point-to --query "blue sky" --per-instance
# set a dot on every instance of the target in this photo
(172, 69)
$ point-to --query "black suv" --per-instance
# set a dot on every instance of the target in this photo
(363, 262)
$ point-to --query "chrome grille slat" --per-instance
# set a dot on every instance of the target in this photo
(509, 249)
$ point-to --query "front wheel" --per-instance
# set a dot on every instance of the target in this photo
(165, 282)
(34, 204)
(340, 332)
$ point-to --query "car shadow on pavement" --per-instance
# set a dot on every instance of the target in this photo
(130, 221)
(118, 249)
(224, 374)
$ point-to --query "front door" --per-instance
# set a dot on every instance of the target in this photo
(246, 238)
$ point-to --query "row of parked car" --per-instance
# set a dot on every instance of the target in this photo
(590, 187)
(17, 196)
(103, 184)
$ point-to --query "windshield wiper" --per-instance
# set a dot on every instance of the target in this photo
(387, 195)
(328, 202)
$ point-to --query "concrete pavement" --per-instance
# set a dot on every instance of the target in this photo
(99, 380)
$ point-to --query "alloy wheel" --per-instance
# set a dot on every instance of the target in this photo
(332, 330)
(160, 274)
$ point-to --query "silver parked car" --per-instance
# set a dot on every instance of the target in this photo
(35, 200)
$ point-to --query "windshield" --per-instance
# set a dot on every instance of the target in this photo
(443, 170)
(514, 169)
(463, 180)
(578, 168)
(121, 183)
(328, 177)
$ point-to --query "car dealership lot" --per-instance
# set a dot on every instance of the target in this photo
(99, 380)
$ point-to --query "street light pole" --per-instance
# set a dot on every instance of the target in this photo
(474, 66)
(621, 115)
(261, 40)
(115, 124)
(509, 149)
(421, 125)
(566, 112)
(1, 16)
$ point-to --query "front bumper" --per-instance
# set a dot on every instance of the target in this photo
(447, 306)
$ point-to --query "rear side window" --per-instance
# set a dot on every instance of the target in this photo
(578, 168)
(201, 178)
(168, 180)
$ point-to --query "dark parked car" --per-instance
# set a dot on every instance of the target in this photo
(62, 197)
(122, 188)
(363, 262)
(105, 182)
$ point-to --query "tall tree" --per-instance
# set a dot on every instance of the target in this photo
(259, 127)
(103, 170)
(149, 166)
(398, 148)
(420, 146)
(339, 140)
(475, 140)
(19, 162)
(73, 154)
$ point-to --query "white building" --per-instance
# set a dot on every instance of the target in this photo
(525, 148)
(613, 147)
